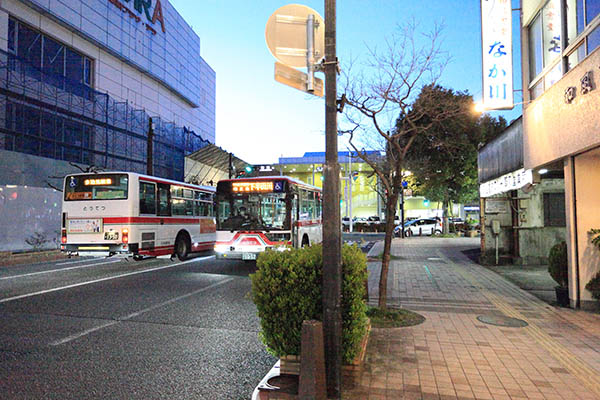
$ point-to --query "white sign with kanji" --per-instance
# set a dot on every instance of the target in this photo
(496, 42)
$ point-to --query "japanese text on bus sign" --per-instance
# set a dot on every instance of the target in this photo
(252, 186)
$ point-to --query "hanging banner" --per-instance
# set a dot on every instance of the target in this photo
(511, 181)
(496, 50)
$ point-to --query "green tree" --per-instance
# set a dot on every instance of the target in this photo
(443, 160)
(374, 98)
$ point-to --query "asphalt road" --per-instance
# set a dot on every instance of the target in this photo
(109, 329)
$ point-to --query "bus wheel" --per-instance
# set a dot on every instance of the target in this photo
(182, 247)
(305, 241)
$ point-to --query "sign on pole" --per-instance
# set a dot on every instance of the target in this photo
(496, 42)
(286, 35)
(295, 36)
(296, 79)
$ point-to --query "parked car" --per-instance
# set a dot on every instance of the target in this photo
(373, 220)
(421, 226)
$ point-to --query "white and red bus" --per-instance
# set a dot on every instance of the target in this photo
(254, 214)
(129, 214)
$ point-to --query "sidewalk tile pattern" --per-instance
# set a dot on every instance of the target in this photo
(453, 355)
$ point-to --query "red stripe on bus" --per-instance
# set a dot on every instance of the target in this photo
(150, 220)
(308, 223)
(173, 183)
(247, 233)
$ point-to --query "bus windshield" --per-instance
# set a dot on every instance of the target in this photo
(264, 211)
(96, 187)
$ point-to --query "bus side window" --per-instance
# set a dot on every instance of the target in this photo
(304, 205)
(164, 199)
(147, 198)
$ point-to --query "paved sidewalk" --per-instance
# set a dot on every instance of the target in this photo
(453, 355)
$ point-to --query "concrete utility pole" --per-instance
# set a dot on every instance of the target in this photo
(332, 240)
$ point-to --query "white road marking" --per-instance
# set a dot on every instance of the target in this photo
(137, 313)
(22, 296)
(75, 261)
(58, 270)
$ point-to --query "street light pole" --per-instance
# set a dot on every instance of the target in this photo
(332, 240)
(350, 191)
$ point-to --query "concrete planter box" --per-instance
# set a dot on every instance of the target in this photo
(288, 367)
(291, 364)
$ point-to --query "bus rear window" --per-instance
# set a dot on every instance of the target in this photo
(96, 187)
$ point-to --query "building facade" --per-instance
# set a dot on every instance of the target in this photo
(561, 125)
(103, 83)
(359, 186)
(522, 213)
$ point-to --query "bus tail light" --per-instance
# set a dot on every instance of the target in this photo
(125, 235)
(63, 236)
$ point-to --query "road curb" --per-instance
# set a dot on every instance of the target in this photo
(8, 258)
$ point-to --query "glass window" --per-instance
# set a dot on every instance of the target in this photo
(147, 198)
(12, 35)
(189, 207)
(74, 66)
(96, 187)
(164, 199)
(592, 9)
(203, 209)
(176, 191)
(554, 75)
(576, 56)
(87, 71)
(580, 20)
(178, 207)
(266, 211)
(59, 61)
(73, 133)
(54, 59)
(48, 126)
(552, 27)
(593, 40)
(536, 60)
(29, 45)
(32, 121)
(554, 209)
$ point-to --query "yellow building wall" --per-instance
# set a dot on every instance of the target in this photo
(587, 203)
(553, 129)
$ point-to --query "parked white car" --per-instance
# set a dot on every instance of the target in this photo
(422, 226)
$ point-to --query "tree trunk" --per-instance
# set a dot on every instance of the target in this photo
(390, 208)
(445, 222)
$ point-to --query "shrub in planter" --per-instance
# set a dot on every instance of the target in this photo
(287, 289)
(558, 265)
(594, 286)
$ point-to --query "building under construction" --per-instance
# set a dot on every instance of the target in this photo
(99, 88)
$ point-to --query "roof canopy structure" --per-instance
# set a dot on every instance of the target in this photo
(210, 164)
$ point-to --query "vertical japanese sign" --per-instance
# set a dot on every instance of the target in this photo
(496, 42)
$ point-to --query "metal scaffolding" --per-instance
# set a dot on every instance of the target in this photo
(49, 116)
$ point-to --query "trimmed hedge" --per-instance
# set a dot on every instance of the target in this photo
(287, 289)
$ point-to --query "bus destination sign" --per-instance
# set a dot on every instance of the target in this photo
(249, 187)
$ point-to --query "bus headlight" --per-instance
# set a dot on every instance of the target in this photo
(221, 248)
